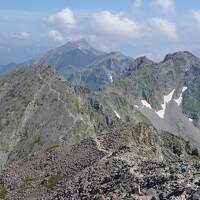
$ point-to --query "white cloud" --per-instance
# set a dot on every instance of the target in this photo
(56, 36)
(64, 17)
(166, 5)
(163, 27)
(116, 25)
(24, 35)
(137, 3)
(196, 15)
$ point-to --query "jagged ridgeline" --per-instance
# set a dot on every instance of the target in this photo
(166, 93)
(80, 116)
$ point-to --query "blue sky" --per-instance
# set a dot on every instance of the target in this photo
(52, 5)
(153, 28)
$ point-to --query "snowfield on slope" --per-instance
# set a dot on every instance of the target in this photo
(146, 104)
(111, 78)
(167, 99)
(117, 114)
(180, 99)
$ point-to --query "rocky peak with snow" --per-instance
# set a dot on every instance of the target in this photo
(164, 90)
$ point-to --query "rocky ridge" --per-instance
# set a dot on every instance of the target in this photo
(127, 162)
(40, 109)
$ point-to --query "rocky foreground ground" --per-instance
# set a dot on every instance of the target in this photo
(130, 163)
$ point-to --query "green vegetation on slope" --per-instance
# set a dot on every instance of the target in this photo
(53, 180)
(3, 192)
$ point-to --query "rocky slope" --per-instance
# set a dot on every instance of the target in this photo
(125, 162)
(39, 108)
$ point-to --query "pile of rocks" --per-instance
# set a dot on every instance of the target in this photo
(126, 163)
(135, 179)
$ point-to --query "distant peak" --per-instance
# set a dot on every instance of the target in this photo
(82, 43)
(115, 53)
(143, 60)
(179, 54)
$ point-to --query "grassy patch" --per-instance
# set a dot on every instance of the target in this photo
(3, 192)
(27, 180)
(196, 106)
(77, 104)
(191, 104)
(53, 180)
(78, 107)
(78, 136)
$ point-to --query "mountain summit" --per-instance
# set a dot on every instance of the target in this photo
(83, 45)
(70, 57)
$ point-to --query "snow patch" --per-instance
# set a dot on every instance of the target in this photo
(187, 69)
(184, 89)
(191, 120)
(111, 78)
(117, 114)
(146, 104)
(167, 99)
(180, 99)
(136, 106)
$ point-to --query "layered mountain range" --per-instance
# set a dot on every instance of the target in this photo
(156, 89)
(77, 110)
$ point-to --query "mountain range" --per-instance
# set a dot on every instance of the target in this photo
(77, 112)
